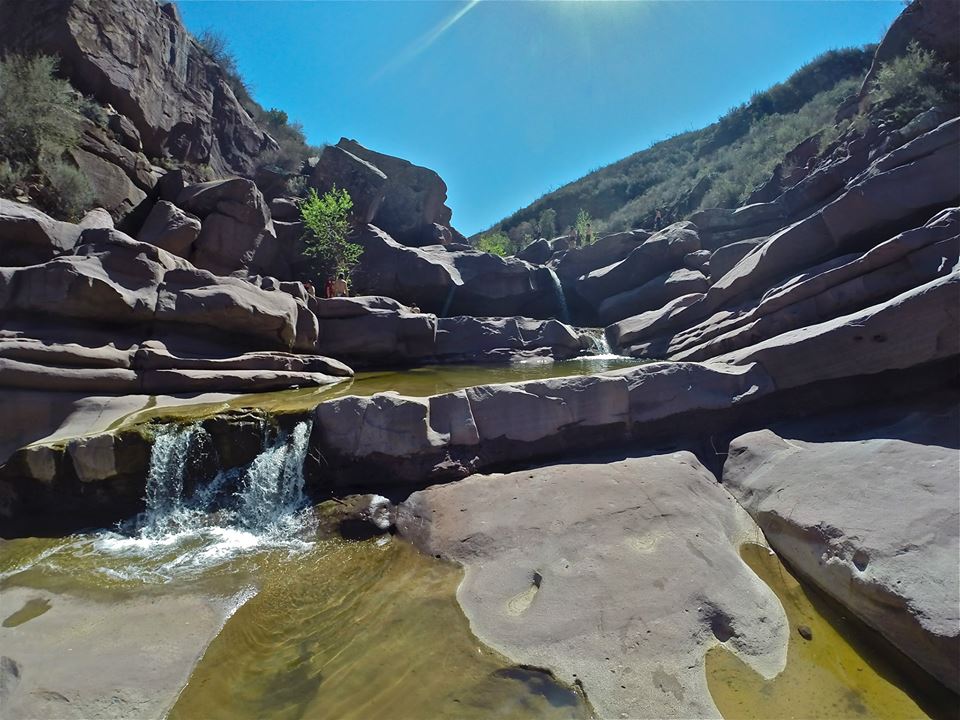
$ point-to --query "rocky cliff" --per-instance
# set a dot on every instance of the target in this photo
(137, 56)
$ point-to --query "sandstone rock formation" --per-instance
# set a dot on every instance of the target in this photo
(574, 567)
(139, 58)
(458, 282)
(870, 516)
(404, 200)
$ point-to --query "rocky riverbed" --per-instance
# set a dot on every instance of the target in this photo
(702, 470)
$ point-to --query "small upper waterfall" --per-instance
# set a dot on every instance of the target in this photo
(563, 311)
(601, 345)
(448, 302)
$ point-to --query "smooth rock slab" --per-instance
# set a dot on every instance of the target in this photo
(72, 662)
(872, 520)
(616, 575)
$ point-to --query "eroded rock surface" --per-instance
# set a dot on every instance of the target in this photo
(617, 575)
(870, 515)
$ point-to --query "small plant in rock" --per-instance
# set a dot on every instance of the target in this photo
(583, 227)
(326, 239)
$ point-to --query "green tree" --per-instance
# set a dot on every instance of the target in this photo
(548, 224)
(326, 238)
(497, 243)
(582, 225)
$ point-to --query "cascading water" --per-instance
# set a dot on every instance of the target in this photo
(448, 302)
(272, 488)
(227, 513)
(563, 312)
(601, 345)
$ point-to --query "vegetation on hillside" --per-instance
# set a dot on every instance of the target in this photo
(717, 166)
(911, 83)
(327, 248)
(41, 117)
(290, 136)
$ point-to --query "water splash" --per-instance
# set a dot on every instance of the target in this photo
(272, 488)
(563, 312)
(229, 513)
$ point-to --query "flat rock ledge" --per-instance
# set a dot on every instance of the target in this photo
(617, 575)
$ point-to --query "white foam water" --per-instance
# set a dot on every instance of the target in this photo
(180, 534)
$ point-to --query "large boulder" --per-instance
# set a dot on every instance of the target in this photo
(652, 294)
(606, 250)
(662, 252)
(471, 339)
(230, 305)
(572, 567)
(237, 233)
(111, 186)
(28, 236)
(140, 59)
(537, 252)
(170, 228)
(414, 197)
(462, 282)
(341, 169)
(871, 518)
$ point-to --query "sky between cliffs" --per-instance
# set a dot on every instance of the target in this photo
(507, 99)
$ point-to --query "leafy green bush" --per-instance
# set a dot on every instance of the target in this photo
(497, 243)
(40, 119)
(584, 227)
(10, 178)
(910, 83)
(39, 112)
(73, 194)
(326, 245)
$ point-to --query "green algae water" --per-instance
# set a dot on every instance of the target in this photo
(844, 670)
(415, 382)
(327, 629)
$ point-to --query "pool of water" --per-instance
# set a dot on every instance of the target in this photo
(414, 382)
(836, 669)
(322, 629)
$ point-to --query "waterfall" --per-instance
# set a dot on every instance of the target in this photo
(262, 499)
(601, 345)
(563, 312)
(169, 463)
(448, 302)
(272, 487)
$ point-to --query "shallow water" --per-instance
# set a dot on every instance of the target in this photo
(845, 670)
(414, 382)
(324, 628)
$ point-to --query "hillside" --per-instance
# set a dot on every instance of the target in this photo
(716, 166)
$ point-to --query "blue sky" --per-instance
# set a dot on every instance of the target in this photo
(508, 99)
